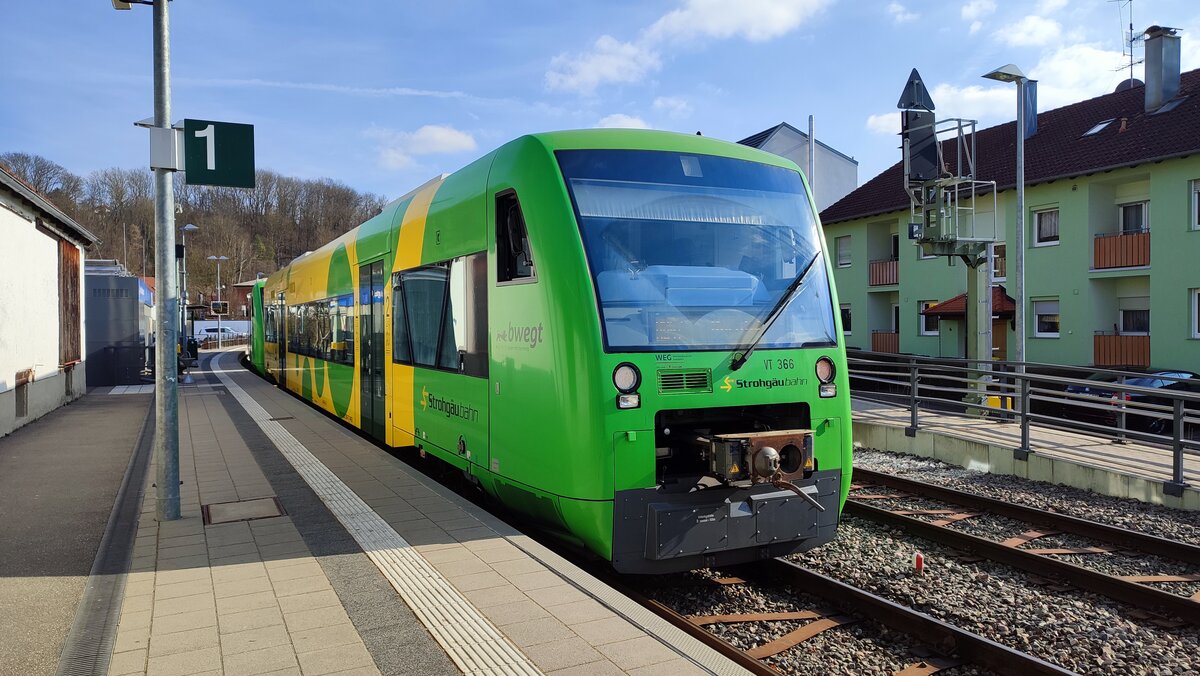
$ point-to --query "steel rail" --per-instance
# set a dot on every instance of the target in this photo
(1143, 542)
(1133, 593)
(943, 636)
(737, 655)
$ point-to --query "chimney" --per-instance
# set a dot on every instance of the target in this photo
(1162, 66)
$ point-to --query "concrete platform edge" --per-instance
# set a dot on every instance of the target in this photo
(89, 645)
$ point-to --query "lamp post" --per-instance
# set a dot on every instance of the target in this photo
(1011, 73)
(166, 399)
(183, 294)
(218, 259)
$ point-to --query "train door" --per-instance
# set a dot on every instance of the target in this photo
(371, 350)
(281, 339)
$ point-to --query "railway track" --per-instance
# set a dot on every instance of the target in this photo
(1132, 589)
(947, 645)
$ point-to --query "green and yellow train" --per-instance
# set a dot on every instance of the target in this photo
(628, 336)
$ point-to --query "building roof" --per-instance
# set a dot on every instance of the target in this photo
(1002, 305)
(760, 139)
(1059, 149)
(66, 225)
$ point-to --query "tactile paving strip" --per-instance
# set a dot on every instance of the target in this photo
(471, 641)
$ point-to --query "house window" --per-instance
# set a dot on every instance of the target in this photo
(1135, 322)
(1134, 315)
(929, 323)
(1045, 227)
(895, 247)
(1196, 204)
(1195, 294)
(999, 262)
(1133, 218)
(845, 307)
(842, 245)
(1046, 314)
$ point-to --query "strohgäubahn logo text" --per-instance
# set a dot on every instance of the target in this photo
(448, 407)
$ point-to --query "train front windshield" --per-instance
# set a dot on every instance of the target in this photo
(692, 252)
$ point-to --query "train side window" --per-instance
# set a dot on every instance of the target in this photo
(401, 347)
(425, 300)
(514, 258)
(464, 332)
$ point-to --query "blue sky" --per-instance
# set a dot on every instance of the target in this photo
(384, 95)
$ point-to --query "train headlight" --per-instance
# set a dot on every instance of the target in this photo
(825, 370)
(629, 401)
(626, 377)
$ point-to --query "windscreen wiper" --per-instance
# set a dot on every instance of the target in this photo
(786, 298)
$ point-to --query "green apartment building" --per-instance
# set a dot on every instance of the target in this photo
(1112, 260)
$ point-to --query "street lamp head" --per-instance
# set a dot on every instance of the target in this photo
(1008, 73)
(218, 258)
(189, 227)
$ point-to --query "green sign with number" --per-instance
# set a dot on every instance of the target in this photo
(218, 153)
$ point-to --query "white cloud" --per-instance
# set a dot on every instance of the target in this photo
(900, 14)
(1031, 31)
(1050, 6)
(398, 148)
(884, 123)
(754, 20)
(696, 22)
(975, 26)
(977, 9)
(609, 61)
(622, 121)
(674, 106)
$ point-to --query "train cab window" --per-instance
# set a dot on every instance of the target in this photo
(514, 258)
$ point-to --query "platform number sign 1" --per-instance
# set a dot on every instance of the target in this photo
(219, 153)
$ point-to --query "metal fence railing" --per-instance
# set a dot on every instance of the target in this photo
(1089, 400)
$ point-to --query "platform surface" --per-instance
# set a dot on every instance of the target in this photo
(374, 568)
(59, 476)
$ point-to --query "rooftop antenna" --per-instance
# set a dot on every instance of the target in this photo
(1128, 40)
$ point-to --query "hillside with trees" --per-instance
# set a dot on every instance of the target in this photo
(259, 229)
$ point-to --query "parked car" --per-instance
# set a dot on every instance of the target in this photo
(211, 333)
(1107, 386)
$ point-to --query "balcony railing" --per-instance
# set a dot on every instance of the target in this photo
(885, 341)
(1122, 250)
(884, 272)
(1110, 349)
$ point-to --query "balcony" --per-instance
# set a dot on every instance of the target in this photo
(1121, 250)
(884, 272)
(1110, 349)
(885, 341)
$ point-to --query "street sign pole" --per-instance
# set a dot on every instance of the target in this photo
(166, 309)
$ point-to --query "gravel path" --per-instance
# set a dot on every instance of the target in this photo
(1077, 630)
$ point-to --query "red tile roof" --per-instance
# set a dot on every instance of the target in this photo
(1002, 305)
(1059, 149)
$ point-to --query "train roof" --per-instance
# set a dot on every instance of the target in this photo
(573, 139)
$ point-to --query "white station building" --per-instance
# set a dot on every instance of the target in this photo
(41, 305)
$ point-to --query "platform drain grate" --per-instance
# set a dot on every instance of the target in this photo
(242, 510)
